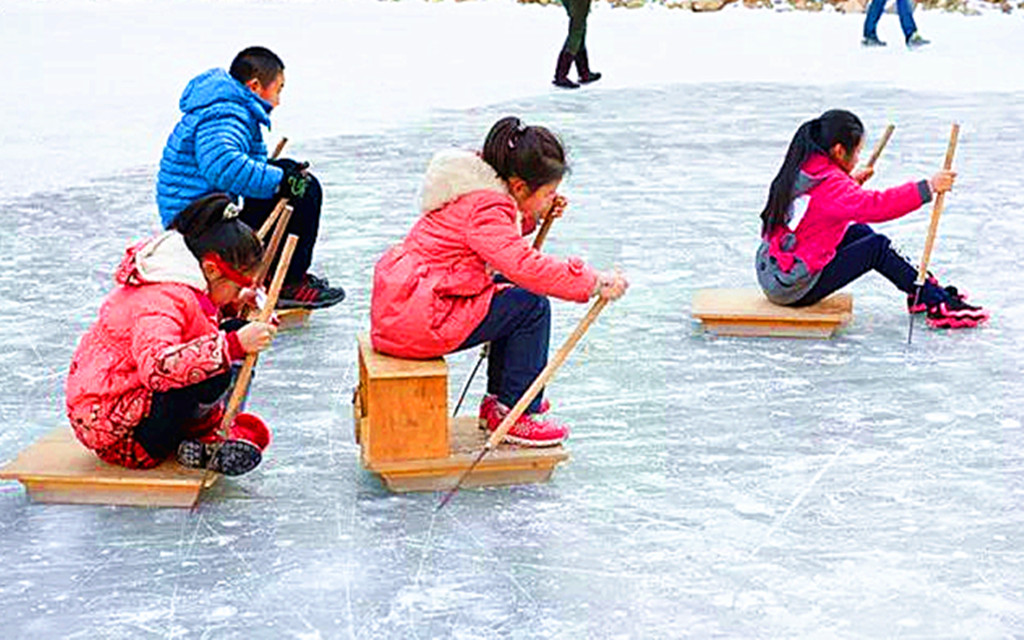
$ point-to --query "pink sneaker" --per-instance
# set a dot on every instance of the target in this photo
(528, 430)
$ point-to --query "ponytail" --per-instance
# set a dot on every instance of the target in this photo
(211, 225)
(530, 153)
(814, 136)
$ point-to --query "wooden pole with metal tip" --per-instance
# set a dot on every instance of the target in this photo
(279, 148)
(531, 393)
(245, 373)
(880, 145)
(933, 227)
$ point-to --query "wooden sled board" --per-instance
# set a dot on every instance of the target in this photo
(292, 318)
(506, 465)
(59, 469)
(746, 312)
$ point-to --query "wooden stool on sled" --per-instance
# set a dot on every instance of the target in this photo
(407, 437)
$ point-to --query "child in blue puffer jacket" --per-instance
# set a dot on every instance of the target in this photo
(217, 146)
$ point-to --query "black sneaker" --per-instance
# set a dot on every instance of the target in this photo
(232, 458)
(955, 314)
(309, 293)
(872, 41)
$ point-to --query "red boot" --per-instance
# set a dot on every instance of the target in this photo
(240, 453)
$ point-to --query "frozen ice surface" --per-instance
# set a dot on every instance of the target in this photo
(853, 488)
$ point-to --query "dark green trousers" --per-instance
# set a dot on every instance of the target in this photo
(577, 10)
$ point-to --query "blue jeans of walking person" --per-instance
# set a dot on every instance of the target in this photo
(518, 326)
(862, 250)
(905, 8)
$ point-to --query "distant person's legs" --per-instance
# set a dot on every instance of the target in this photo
(873, 13)
(906, 10)
(577, 10)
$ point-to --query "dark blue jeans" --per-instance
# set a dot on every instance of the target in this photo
(305, 223)
(862, 250)
(518, 326)
(904, 7)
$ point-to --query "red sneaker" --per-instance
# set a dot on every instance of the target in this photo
(489, 400)
(528, 430)
(240, 453)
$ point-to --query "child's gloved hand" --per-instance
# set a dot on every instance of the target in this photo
(256, 336)
(942, 181)
(295, 180)
(611, 285)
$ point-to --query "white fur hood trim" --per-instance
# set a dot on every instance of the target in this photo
(452, 173)
(167, 258)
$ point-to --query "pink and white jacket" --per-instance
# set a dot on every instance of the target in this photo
(434, 288)
(833, 202)
(156, 331)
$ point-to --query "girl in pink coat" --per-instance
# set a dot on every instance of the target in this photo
(465, 275)
(149, 377)
(816, 239)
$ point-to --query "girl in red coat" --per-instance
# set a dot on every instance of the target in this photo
(440, 290)
(814, 227)
(149, 376)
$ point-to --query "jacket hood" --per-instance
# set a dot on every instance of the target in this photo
(453, 173)
(165, 258)
(217, 85)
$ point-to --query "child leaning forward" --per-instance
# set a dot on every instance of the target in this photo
(465, 275)
(149, 378)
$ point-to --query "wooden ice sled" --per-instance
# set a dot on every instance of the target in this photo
(407, 437)
(58, 469)
(746, 312)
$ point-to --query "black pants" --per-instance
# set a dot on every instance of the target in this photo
(305, 223)
(862, 250)
(162, 431)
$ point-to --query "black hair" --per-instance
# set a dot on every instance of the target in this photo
(256, 62)
(814, 136)
(533, 154)
(207, 230)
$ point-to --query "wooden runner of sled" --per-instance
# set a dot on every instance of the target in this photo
(59, 469)
(747, 313)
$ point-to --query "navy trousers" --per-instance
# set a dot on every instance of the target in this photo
(305, 223)
(862, 250)
(518, 326)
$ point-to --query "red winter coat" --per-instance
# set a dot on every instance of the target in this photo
(158, 330)
(432, 290)
(834, 201)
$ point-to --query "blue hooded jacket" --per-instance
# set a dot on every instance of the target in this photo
(217, 146)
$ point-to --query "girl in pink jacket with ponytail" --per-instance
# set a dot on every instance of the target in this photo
(815, 232)
(465, 275)
(149, 378)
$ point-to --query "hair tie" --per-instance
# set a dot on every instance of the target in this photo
(231, 211)
(519, 130)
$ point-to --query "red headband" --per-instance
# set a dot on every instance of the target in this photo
(229, 272)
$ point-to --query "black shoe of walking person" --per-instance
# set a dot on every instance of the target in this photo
(562, 71)
(871, 41)
(583, 68)
(310, 292)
